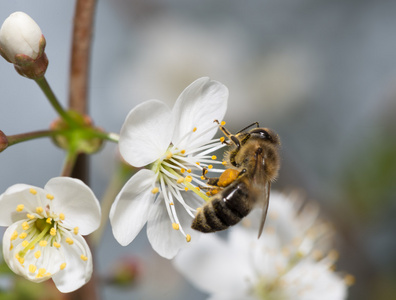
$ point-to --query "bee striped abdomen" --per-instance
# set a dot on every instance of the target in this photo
(224, 210)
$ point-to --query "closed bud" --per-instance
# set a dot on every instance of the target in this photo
(22, 43)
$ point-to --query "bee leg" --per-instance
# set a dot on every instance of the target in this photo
(210, 181)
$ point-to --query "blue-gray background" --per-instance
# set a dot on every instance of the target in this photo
(321, 73)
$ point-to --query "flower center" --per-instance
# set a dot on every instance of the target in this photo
(38, 240)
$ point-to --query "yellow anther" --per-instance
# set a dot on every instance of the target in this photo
(197, 188)
(25, 243)
(189, 170)
(63, 266)
(222, 139)
(349, 279)
(37, 254)
(171, 203)
(11, 246)
(197, 163)
(20, 207)
(69, 241)
(61, 216)
(23, 235)
(53, 231)
(180, 180)
(75, 230)
(203, 177)
(210, 167)
(183, 151)
(20, 259)
(50, 197)
(194, 129)
(186, 189)
(25, 225)
(188, 178)
(224, 163)
(32, 268)
(41, 271)
(14, 235)
(56, 245)
(33, 191)
(222, 123)
(208, 194)
(49, 220)
(188, 238)
(155, 190)
(175, 226)
(39, 210)
(182, 170)
(83, 257)
(214, 157)
(29, 216)
(43, 243)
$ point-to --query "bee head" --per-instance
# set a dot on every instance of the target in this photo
(265, 134)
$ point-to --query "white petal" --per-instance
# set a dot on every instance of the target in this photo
(202, 102)
(146, 133)
(16, 195)
(130, 210)
(9, 255)
(77, 272)
(76, 201)
(163, 238)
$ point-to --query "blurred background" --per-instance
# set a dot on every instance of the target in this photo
(321, 73)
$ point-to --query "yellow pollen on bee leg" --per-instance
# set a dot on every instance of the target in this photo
(32, 268)
(20, 207)
(203, 177)
(39, 210)
(43, 243)
(83, 257)
(25, 225)
(188, 238)
(33, 191)
(37, 254)
(214, 157)
(50, 197)
(53, 231)
(62, 216)
(49, 220)
(69, 241)
(75, 230)
(63, 266)
(23, 235)
(175, 226)
(222, 139)
(155, 190)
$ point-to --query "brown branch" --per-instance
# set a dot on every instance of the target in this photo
(78, 101)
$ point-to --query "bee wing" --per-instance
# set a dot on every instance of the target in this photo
(261, 186)
(265, 209)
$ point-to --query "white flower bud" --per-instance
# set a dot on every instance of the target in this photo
(20, 34)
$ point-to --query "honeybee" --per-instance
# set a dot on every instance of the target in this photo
(254, 159)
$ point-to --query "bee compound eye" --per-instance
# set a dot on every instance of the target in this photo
(261, 133)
